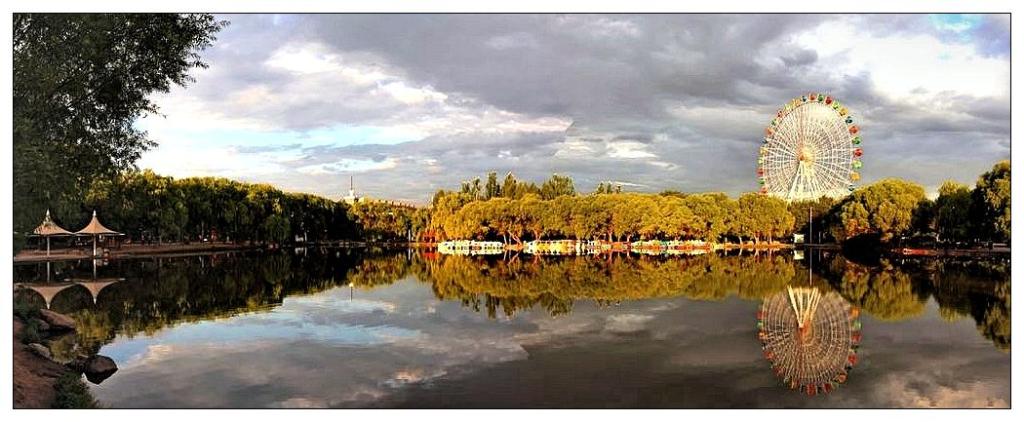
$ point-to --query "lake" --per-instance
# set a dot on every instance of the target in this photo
(357, 328)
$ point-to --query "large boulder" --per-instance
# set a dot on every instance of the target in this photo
(58, 322)
(40, 350)
(99, 368)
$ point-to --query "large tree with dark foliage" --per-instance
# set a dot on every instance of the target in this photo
(991, 203)
(80, 83)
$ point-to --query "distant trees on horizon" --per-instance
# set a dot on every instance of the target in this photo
(515, 210)
(147, 206)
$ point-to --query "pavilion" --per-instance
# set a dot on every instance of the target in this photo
(49, 229)
(95, 229)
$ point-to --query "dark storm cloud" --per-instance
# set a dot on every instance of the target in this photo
(663, 101)
(800, 58)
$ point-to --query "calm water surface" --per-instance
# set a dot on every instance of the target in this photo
(345, 328)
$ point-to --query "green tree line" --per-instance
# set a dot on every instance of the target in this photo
(893, 208)
(514, 211)
(147, 206)
(152, 208)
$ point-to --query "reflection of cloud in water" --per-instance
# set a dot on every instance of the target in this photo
(300, 403)
(722, 368)
(410, 376)
(914, 390)
(391, 350)
(151, 354)
(626, 323)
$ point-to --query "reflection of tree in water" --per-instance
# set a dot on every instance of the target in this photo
(995, 322)
(554, 283)
(891, 292)
(886, 295)
(158, 293)
(979, 289)
(379, 270)
(810, 337)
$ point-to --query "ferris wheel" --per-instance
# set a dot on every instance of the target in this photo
(810, 338)
(810, 149)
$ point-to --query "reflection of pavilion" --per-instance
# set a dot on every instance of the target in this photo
(50, 290)
(810, 338)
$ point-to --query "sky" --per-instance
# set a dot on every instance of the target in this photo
(409, 104)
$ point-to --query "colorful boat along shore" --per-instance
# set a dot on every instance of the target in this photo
(578, 247)
(470, 247)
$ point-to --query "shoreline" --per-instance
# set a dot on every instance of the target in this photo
(948, 253)
(130, 251)
(39, 381)
(35, 377)
(50, 363)
(179, 250)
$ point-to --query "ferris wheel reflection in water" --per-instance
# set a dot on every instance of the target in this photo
(810, 337)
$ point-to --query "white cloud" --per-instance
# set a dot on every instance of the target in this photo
(629, 149)
(599, 27)
(902, 64)
(178, 156)
(408, 95)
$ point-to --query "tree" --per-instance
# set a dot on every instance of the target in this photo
(582, 217)
(952, 211)
(991, 202)
(884, 209)
(276, 228)
(515, 189)
(557, 186)
(80, 82)
(472, 188)
(608, 187)
(672, 192)
(679, 220)
(762, 217)
(628, 213)
(492, 189)
(818, 209)
(713, 212)
(537, 216)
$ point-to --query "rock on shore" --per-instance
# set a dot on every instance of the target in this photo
(57, 322)
(34, 376)
(40, 350)
(98, 368)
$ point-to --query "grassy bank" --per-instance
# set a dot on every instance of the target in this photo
(72, 393)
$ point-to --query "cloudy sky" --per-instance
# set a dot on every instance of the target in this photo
(408, 104)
